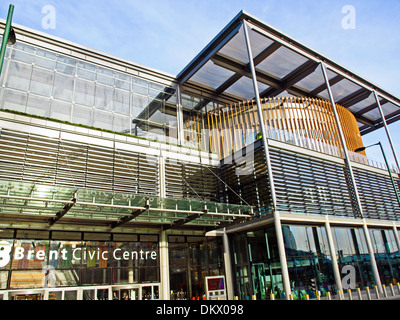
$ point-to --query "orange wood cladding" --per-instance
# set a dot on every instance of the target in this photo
(285, 118)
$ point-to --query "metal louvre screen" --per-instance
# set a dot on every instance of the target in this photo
(39, 159)
(306, 185)
(377, 195)
(250, 185)
(184, 180)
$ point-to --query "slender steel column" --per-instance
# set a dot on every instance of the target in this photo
(179, 117)
(348, 164)
(387, 131)
(277, 219)
(372, 257)
(164, 266)
(396, 236)
(342, 139)
(228, 266)
(332, 251)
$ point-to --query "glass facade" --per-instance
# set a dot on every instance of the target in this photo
(54, 264)
(48, 84)
(309, 261)
(386, 255)
(351, 250)
(191, 259)
(256, 265)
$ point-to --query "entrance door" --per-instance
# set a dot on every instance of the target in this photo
(259, 281)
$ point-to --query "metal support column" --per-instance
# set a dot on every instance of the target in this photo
(277, 219)
(348, 164)
(179, 117)
(332, 251)
(387, 131)
(372, 257)
(396, 236)
(228, 266)
(164, 267)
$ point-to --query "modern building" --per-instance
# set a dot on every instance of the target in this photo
(121, 181)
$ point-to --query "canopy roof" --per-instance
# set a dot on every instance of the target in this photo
(57, 206)
(283, 67)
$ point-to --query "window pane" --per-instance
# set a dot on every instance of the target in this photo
(84, 92)
(60, 110)
(63, 87)
(104, 97)
(103, 120)
(121, 101)
(121, 123)
(82, 115)
(42, 81)
(19, 75)
(14, 100)
(37, 105)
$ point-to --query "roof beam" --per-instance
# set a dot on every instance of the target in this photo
(183, 221)
(258, 59)
(62, 212)
(365, 130)
(369, 108)
(244, 70)
(322, 87)
(292, 78)
(130, 217)
(206, 55)
(354, 98)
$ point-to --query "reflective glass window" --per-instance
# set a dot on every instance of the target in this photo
(19, 75)
(60, 110)
(63, 87)
(84, 92)
(38, 105)
(42, 82)
(14, 100)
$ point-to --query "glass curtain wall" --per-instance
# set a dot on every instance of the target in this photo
(309, 261)
(351, 250)
(44, 83)
(386, 255)
(256, 265)
(50, 263)
(191, 259)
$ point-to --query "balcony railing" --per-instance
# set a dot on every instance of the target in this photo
(301, 121)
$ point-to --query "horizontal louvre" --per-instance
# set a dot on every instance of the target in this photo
(39, 159)
(306, 185)
(190, 181)
(377, 195)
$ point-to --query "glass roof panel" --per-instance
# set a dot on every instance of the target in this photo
(281, 62)
(363, 104)
(372, 115)
(236, 48)
(314, 80)
(258, 42)
(389, 108)
(211, 75)
(343, 88)
(243, 88)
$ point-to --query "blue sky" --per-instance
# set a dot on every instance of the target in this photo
(167, 35)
